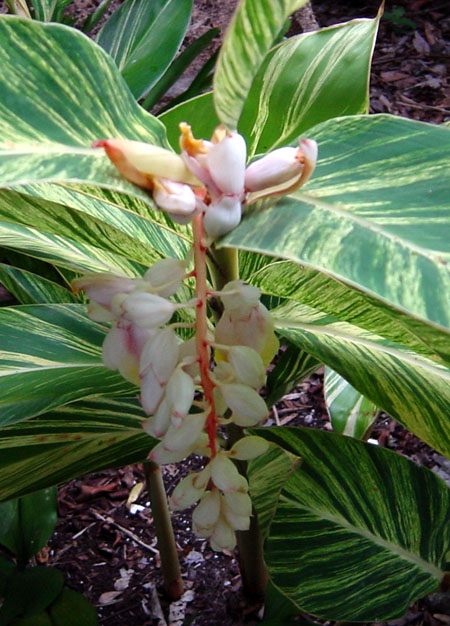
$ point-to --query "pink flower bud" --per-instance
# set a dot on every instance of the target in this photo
(247, 405)
(248, 448)
(165, 276)
(139, 162)
(248, 366)
(102, 287)
(147, 310)
(206, 513)
(222, 216)
(151, 392)
(223, 537)
(226, 163)
(275, 168)
(224, 473)
(186, 493)
(177, 199)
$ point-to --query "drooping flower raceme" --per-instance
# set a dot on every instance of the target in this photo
(190, 388)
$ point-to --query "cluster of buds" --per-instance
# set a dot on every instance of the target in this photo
(145, 348)
(210, 177)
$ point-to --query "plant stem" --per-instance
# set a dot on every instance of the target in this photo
(201, 329)
(170, 564)
(223, 266)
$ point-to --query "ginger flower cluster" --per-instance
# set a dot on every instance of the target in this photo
(145, 348)
(210, 177)
(192, 389)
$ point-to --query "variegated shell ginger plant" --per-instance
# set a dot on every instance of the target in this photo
(191, 389)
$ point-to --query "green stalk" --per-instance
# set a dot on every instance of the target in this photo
(223, 265)
(170, 564)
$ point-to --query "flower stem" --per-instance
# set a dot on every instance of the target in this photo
(201, 329)
(170, 564)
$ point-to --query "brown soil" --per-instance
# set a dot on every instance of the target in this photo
(106, 549)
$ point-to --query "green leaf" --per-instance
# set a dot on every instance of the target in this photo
(71, 441)
(26, 524)
(177, 67)
(350, 412)
(43, 9)
(51, 355)
(30, 592)
(412, 389)
(42, 619)
(52, 142)
(72, 609)
(30, 288)
(293, 366)
(359, 532)
(143, 37)
(252, 32)
(200, 114)
(291, 91)
(372, 216)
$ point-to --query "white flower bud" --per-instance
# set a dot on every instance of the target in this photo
(236, 521)
(122, 349)
(256, 331)
(102, 287)
(222, 216)
(162, 456)
(186, 434)
(186, 493)
(245, 403)
(238, 502)
(180, 393)
(206, 513)
(275, 168)
(223, 537)
(165, 276)
(177, 199)
(248, 366)
(189, 349)
(224, 474)
(160, 354)
(226, 163)
(98, 313)
(248, 448)
(157, 425)
(239, 298)
(148, 310)
(151, 392)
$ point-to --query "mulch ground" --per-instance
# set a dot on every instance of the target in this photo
(104, 544)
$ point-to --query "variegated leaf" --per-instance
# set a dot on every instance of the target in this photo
(373, 215)
(143, 234)
(29, 288)
(143, 37)
(326, 294)
(49, 139)
(291, 91)
(350, 412)
(252, 32)
(357, 532)
(50, 356)
(71, 441)
(412, 389)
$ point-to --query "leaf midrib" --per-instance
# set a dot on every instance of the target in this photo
(383, 543)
